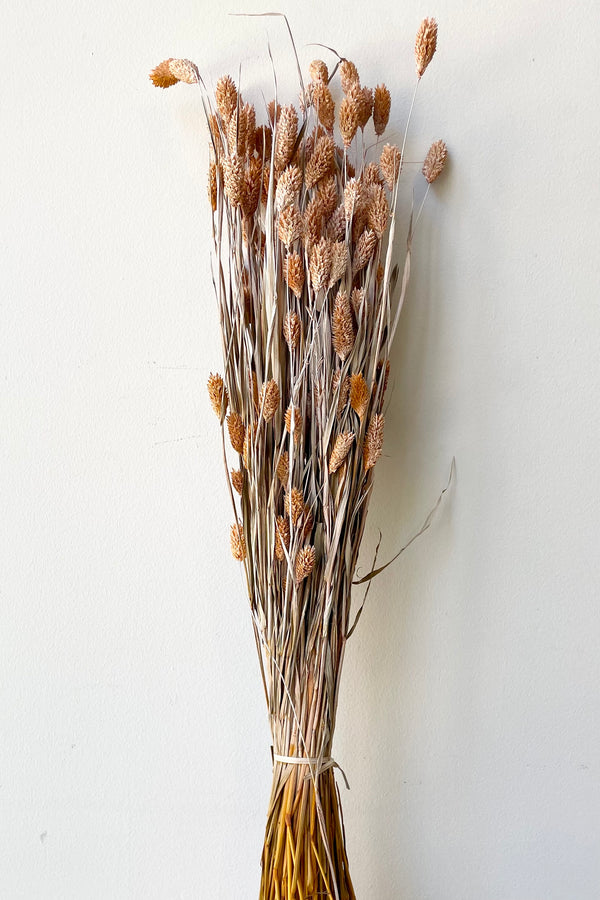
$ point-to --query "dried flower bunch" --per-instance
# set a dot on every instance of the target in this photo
(303, 225)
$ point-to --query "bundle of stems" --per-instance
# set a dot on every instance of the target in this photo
(303, 228)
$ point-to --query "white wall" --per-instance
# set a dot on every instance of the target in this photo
(134, 755)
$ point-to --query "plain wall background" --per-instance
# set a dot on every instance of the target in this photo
(134, 748)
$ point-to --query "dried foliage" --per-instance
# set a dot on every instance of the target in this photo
(303, 242)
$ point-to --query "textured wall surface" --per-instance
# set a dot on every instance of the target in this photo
(134, 761)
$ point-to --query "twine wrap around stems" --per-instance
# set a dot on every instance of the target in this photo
(316, 765)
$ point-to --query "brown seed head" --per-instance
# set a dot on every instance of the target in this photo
(435, 161)
(282, 536)
(322, 161)
(162, 76)
(233, 180)
(269, 399)
(364, 251)
(359, 220)
(283, 467)
(382, 103)
(236, 134)
(340, 451)
(373, 441)
(357, 300)
(349, 119)
(305, 563)
(339, 262)
(249, 116)
(363, 98)
(226, 96)
(318, 71)
(351, 197)
(377, 210)
(212, 185)
(290, 225)
(323, 103)
(425, 44)
(238, 542)
(249, 443)
(252, 186)
(217, 393)
(320, 264)
(372, 174)
(292, 330)
(328, 194)
(293, 503)
(237, 432)
(314, 221)
(389, 164)
(348, 75)
(237, 480)
(342, 326)
(288, 187)
(336, 226)
(343, 385)
(359, 395)
(294, 273)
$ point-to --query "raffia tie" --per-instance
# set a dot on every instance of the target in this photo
(317, 765)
